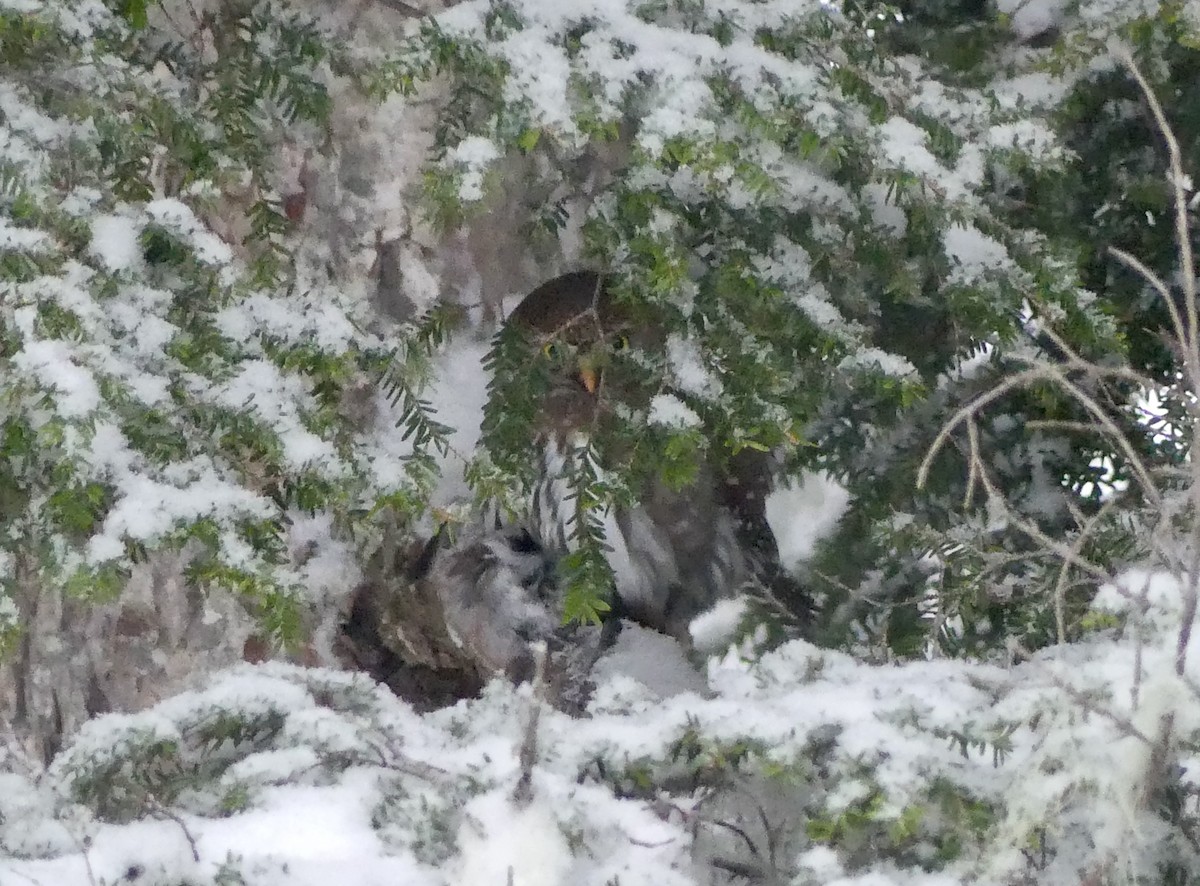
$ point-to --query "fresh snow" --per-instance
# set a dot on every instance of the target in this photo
(356, 786)
(344, 783)
(115, 241)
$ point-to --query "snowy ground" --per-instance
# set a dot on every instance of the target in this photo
(281, 775)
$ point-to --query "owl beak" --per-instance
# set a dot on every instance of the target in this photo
(589, 378)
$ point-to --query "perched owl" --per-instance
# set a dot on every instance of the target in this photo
(461, 609)
(678, 550)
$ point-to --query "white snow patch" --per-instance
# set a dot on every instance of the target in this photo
(179, 218)
(655, 660)
(115, 241)
(55, 366)
(149, 508)
(712, 631)
(803, 512)
(688, 366)
(503, 844)
(1032, 17)
(669, 411)
(973, 253)
(472, 156)
(14, 238)
(904, 146)
(876, 358)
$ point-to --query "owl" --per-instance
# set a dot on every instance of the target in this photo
(472, 604)
(676, 551)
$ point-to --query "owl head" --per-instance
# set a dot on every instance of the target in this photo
(588, 352)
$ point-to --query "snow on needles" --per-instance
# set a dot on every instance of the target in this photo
(669, 411)
(52, 362)
(179, 218)
(974, 254)
(115, 241)
(334, 776)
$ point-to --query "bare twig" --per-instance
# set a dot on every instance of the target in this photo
(85, 847)
(389, 756)
(523, 793)
(772, 837)
(163, 812)
(400, 6)
(1139, 644)
(1157, 284)
(1160, 756)
(1192, 686)
(971, 409)
(1177, 180)
(738, 831)
(1053, 373)
(1190, 341)
(1061, 583)
(1046, 371)
(751, 872)
(1031, 529)
(1123, 724)
(1188, 616)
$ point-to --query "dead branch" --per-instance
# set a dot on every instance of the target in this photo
(523, 793)
(163, 812)
(1178, 182)
(968, 411)
(997, 499)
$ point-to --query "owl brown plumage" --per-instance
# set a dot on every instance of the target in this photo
(577, 328)
(461, 609)
(678, 550)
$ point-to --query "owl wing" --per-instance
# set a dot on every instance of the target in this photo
(677, 552)
(747, 482)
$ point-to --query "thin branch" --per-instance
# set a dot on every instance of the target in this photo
(1042, 370)
(1054, 374)
(1188, 615)
(1089, 705)
(523, 793)
(85, 847)
(1156, 283)
(772, 834)
(738, 831)
(1061, 583)
(1192, 686)
(26, 876)
(160, 810)
(1093, 369)
(1160, 753)
(402, 7)
(1138, 606)
(750, 872)
(1052, 424)
(1189, 342)
(1031, 529)
(965, 413)
(1176, 180)
(390, 757)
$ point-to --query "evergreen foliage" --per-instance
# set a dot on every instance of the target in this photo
(144, 357)
(831, 226)
(925, 248)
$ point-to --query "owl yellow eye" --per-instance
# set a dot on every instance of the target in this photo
(551, 350)
(620, 343)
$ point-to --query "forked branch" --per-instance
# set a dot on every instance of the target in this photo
(1080, 379)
